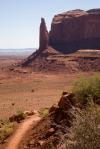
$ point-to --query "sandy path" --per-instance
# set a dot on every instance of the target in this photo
(20, 132)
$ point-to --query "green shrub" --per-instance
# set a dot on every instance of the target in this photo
(87, 89)
(86, 130)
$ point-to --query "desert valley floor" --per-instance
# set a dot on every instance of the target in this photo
(23, 91)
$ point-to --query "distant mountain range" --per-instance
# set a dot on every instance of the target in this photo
(25, 51)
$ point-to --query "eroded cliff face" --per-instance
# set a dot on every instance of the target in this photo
(75, 30)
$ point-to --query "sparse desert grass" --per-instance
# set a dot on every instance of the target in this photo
(7, 125)
(18, 117)
(86, 130)
(87, 89)
(6, 129)
(44, 112)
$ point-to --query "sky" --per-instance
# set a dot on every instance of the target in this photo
(20, 19)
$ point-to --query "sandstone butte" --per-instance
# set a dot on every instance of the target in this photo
(70, 31)
(76, 29)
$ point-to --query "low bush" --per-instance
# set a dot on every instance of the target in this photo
(87, 90)
(85, 131)
(18, 117)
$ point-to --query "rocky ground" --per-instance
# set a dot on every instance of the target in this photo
(50, 60)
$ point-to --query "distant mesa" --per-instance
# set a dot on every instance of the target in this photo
(70, 32)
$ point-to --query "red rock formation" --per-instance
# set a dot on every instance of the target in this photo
(43, 35)
(70, 31)
(76, 29)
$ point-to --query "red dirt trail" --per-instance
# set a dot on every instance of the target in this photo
(20, 132)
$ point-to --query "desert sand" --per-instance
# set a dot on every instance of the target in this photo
(21, 90)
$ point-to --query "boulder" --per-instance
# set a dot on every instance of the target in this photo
(67, 101)
(64, 113)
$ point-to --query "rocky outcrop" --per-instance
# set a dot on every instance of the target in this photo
(63, 114)
(71, 31)
(43, 35)
(53, 129)
(75, 30)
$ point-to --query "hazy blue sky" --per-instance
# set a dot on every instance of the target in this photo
(20, 19)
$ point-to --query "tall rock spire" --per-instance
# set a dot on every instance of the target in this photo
(44, 37)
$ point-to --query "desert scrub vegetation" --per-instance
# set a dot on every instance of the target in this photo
(18, 117)
(7, 125)
(6, 129)
(43, 112)
(87, 90)
(85, 131)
